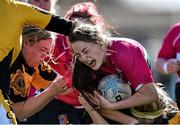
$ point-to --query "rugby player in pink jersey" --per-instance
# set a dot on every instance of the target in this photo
(108, 55)
(85, 12)
(168, 59)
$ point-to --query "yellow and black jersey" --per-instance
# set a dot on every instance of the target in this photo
(14, 16)
(21, 77)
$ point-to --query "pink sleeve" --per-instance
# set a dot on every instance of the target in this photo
(168, 48)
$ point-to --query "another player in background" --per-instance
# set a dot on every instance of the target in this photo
(168, 59)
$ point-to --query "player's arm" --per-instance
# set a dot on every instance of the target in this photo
(60, 25)
(32, 105)
(118, 116)
(24, 109)
(95, 116)
(33, 15)
(166, 63)
(110, 114)
(139, 75)
(167, 66)
(145, 95)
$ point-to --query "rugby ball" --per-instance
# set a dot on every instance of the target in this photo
(113, 88)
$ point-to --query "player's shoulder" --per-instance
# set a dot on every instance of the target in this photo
(175, 27)
(122, 41)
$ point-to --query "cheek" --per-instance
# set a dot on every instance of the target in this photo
(96, 52)
(35, 55)
(74, 48)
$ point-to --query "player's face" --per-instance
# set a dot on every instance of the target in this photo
(93, 55)
(36, 53)
(44, 4)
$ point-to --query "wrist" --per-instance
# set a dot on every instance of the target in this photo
(165, 67)
(50, 92)
(112, 106)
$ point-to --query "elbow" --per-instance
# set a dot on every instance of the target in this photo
(20, 116)
(19, 113)
(149, 93)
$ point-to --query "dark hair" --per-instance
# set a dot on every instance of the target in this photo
(87, 33)
(86, 79)
(83, 78)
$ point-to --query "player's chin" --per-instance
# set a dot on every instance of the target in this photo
(96, 67)
(30, 64)
(35, 64)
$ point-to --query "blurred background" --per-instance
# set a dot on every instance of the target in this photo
(146, 21)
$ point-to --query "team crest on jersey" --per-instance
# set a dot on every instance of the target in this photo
(19, 82)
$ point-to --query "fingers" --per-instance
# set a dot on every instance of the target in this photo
(81, 100)
(85, 103)
(59, 86)
(66, 91)
(95, 100)
(173, 65)
(99, 96)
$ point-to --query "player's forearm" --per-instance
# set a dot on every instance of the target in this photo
(60, 25)
(159, 63)
(145, 95)
(96, 117)
(31, 106)
(118, 116)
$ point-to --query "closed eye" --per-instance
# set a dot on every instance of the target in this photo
(84, 50)
(43, 49)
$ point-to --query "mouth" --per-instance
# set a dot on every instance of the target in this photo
(92, 63)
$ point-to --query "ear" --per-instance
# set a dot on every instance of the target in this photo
(26, 43)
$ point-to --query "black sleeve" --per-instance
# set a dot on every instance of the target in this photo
(59, 25)
(46, 72)
(5, 73)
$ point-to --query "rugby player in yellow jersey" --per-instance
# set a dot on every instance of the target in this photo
(14, 15)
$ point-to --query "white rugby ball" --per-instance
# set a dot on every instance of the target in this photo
(113, 88)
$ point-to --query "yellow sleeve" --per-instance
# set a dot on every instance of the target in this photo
(33, 15)
(175, 119)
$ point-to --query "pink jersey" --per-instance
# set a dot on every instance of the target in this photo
(63, 58)
(171, 44)
(130, 58)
